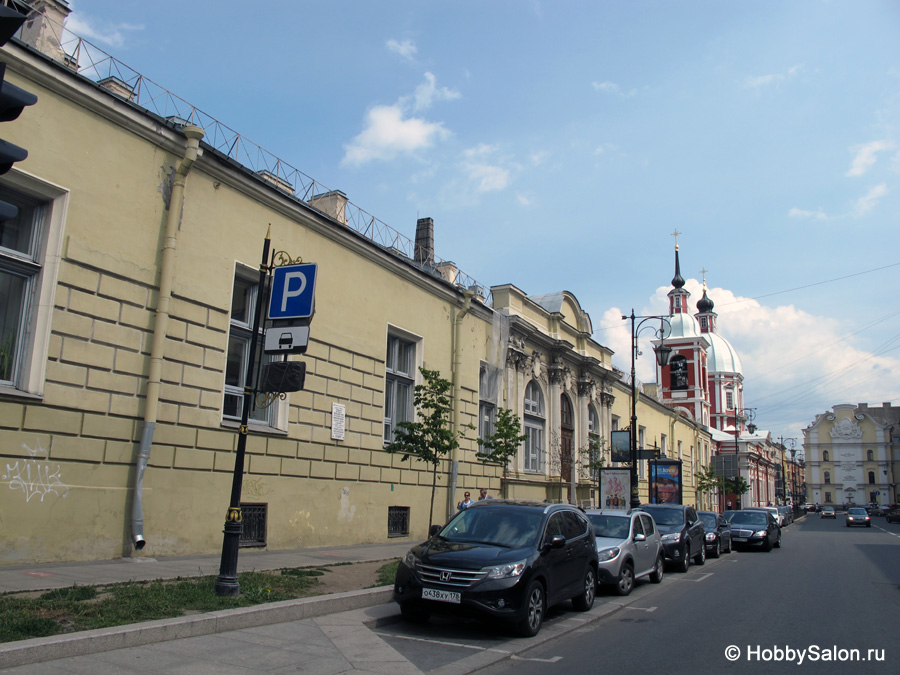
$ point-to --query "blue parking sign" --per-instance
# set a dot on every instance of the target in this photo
(293, 291)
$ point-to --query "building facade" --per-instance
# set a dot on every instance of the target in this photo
(130, 279)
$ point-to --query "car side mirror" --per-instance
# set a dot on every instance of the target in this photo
(556, 541)
(433, 530)
(640, 537)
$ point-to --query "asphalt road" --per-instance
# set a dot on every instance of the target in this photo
(827, 602)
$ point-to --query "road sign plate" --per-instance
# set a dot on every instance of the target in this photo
(286, 339)
(293, 291)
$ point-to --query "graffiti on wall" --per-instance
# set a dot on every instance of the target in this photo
(36, 477)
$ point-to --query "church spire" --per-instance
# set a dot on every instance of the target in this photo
(678, 280)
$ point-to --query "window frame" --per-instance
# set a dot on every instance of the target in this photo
(393, 376)
(42, 265)
(534, 423)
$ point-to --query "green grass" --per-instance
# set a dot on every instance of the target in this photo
(78, 608)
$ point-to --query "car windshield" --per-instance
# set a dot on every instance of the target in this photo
(857, 512)
(614, 527)
(710, 522)
(828, 508)
(509, 527)
(755, 518)
(664, 516)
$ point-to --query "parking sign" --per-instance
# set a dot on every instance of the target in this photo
(293, 291)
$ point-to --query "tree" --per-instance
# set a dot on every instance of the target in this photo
(707, 480)
(736, 486)
(500, 446)
(432, 437)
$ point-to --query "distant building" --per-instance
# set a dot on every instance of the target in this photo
(853, 455)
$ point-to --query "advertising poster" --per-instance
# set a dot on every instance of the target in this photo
(620, 443)
(615, 489)
(665, 482)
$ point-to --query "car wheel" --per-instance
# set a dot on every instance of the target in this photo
(626, 581)
(718, 550)
(868, 524)
(685, 562)
(778, 543)
(413, 613)
(767, 546)
(658, 571)
(535, 606)
(730, 546)
(700, 558)
(585, 600)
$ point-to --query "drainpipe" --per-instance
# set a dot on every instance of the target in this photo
(157, 352)
(454, 379)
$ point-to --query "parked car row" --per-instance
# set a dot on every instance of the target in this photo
(511, 560)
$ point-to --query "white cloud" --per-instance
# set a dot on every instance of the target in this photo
(612, 88)
(488, 178)
(105, 33)
(808, 215)
(407, 49)
(525, 199)
(428, 92)
(389, 134)
(870, 200)
(754, 81)
(796, 364)
(866, 156)
(391, 131)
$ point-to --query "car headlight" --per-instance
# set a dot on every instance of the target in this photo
(760, 533)
(410, 560)
(505, 571)
(674, 536)
(710, 536)
(607, 554)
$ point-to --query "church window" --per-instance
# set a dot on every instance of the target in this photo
(678, 370)
(827, 478)
(871, 478)
(824, 455)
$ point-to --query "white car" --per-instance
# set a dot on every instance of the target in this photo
(628, 547)
(774, 510)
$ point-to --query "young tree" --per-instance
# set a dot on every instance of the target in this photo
(594, 458)
(432, 437)
(707, 481)
(736, 486)
(500, 446)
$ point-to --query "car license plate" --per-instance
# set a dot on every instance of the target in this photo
(740, 539)
(441, 596)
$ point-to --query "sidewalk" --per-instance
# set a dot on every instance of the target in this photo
(338, 640)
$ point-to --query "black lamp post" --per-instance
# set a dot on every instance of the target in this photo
(663, 352)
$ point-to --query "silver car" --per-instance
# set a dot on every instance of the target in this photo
(628, 547)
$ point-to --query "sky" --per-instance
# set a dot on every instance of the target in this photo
(560, 145)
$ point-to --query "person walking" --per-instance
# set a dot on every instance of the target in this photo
(465, 503)
(483, 495)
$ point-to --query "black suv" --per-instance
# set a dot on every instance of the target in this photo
(501, 559)
(683, 534)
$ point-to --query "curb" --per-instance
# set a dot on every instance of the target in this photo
(37, 650)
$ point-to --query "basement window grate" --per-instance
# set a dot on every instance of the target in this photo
(253, 525)
(398, 521)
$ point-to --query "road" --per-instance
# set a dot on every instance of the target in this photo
(827, 602)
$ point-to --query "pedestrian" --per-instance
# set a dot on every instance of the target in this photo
(483, 495)
(465, 503)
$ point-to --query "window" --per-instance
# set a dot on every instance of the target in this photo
(871, 478)
(678, 371)
(642, 432)
(827, 497)
(663, 445)
(870, 456)
(704, 323)
(398, 521)
(243, 312)
(615, 423)
(534, 428)
(824, 455)
(729, 399)
(30, 247)
(487, 410)
(594, 441)
(827, 478)
(399, 383)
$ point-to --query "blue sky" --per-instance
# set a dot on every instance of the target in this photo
(558, 145)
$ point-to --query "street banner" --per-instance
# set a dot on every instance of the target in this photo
(665, 482)
(615, 489)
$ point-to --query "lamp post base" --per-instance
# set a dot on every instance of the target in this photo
(227, 582)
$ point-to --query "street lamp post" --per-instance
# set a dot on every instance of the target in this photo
(663, 352)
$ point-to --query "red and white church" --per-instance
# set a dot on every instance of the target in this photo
(704, 381)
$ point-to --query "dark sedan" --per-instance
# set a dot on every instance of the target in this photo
(718, 533)
(754, 529)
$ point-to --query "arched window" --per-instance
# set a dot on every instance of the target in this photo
(871, 478)
(824, 455)
(534, 428)
(870, 455)
(566, 438)
(827, 478)
(594, 441)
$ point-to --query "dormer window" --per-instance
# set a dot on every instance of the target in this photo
(704, 323)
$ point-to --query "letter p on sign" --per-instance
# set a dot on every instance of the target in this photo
(293, 291)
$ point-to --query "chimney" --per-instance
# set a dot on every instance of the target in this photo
(332, 204)
(44, 29)
(425, 241)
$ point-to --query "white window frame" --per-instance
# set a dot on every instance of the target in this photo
(394, 377)
(274, 417)
(594, 435)
(33, 341)
(534, 425)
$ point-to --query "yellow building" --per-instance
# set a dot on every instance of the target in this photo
(130, 280)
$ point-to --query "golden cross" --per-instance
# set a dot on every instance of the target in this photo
(675, 234)
(703, 272)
